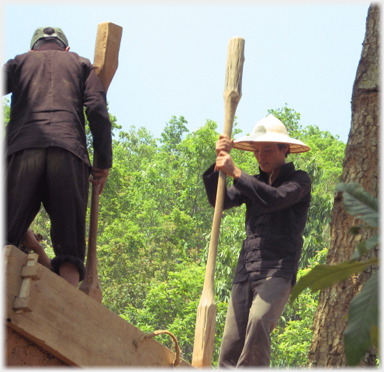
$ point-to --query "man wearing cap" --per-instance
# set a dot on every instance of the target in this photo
(277, 201)
(47, 157)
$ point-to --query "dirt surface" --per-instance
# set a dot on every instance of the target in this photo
(22, 352)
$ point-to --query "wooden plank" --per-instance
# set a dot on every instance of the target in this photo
(72, 326)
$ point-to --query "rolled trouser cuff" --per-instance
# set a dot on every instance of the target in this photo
(59, 260)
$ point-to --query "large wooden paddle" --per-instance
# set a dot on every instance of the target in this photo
(105, 64)
(206, 312)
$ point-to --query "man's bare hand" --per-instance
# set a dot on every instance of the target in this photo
(99, 177)
(31, 241)
(224, 143)
(225, 163)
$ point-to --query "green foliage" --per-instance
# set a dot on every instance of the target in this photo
(6, 111)
(362, 329)
(324, 276)
(173, 133)
(363, 322)
(358, 202)
(172, 305)
(6, 114)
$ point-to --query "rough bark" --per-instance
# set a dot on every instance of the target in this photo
(360, 165)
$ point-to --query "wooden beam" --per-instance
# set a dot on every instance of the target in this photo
(72, 326)
(107, 52)
(105, 65)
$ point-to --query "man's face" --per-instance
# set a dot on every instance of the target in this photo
(269, 156)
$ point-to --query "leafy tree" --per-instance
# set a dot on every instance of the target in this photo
(173, 132)
(172, 305)
(6, 111)
(362, 328)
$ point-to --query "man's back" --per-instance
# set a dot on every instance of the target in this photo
(50, 89)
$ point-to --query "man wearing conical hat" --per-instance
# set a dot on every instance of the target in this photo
(277, 201)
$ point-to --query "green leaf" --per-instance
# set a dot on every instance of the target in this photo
(323, 276)
(362, 315)
(358, 202)
(375, 337)
(365, 246)
(372, 242)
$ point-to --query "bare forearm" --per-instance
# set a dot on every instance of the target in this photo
(43, 258)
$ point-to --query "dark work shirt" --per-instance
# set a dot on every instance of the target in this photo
(50, 88)
(275, 219)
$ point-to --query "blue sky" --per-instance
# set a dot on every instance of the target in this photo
(173, 55)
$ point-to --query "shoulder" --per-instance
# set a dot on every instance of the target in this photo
(290, 170)
(300, 176)
(74, 60)
(23, 55)
(80, 58)
(19, 58)
(18, 61)
(84, 61)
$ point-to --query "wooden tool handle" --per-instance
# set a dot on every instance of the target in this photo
(105, 65)
(206, 312)
(90, 284)
(232, 95)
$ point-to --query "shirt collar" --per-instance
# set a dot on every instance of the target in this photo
(50, 46)
(285, 170)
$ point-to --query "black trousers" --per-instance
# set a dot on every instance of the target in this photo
(59, 180)
(253, 312)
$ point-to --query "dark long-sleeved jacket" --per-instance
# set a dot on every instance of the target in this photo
(50, 88)
(274, 222)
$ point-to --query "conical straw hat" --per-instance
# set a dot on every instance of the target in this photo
(270, 129)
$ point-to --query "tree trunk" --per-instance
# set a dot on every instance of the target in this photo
(360, 165)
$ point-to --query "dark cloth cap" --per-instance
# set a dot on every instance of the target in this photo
(45, 32)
